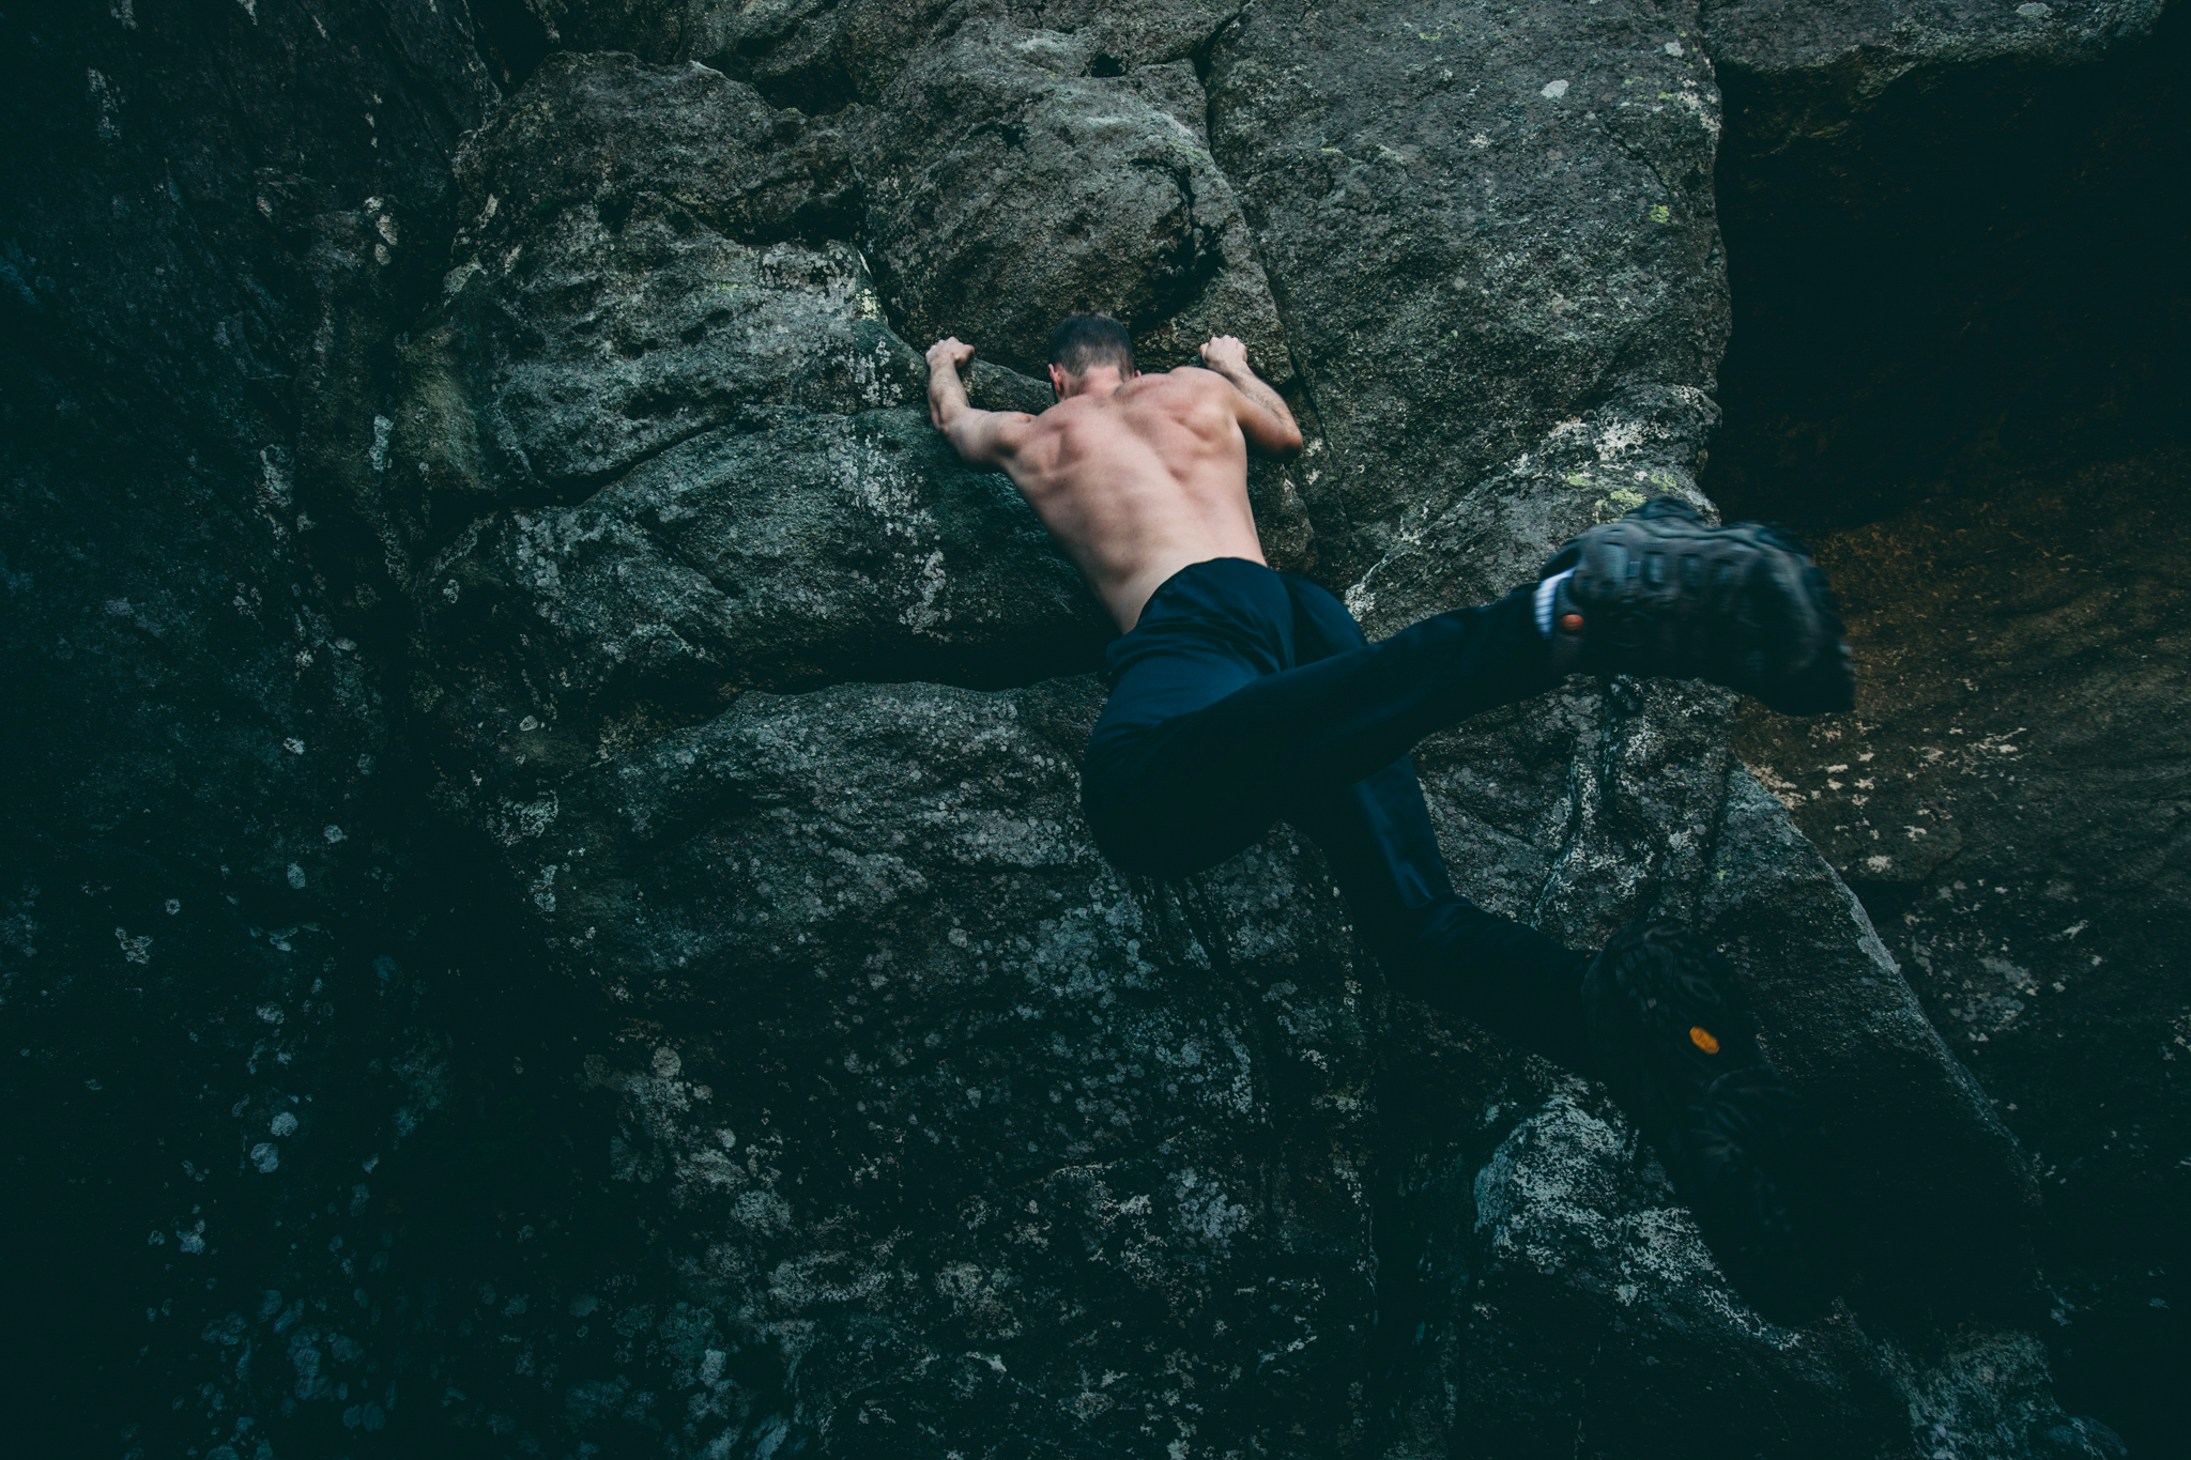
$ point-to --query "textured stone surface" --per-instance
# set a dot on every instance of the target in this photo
(1939, 378)
(567, 909)
(642, 257)
(2014, 817)
(1478, 221)
(824, 53)
(966, 1123)
(212, 1000)
(1002, 178)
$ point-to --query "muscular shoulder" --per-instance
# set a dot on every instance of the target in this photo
(1195, 379)
(989, 438)
(1183, 392)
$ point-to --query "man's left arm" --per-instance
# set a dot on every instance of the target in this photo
(985, 438)
(1265, 422)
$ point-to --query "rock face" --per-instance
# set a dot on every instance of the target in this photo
(212, 998)
(2011, 818)
(655, 992)
(668, 449)
(1987, 483)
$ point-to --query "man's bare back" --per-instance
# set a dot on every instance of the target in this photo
(1136, 475)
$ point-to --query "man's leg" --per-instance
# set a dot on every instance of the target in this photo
(1176, 778)
(1656, 1017)
(1218, 726)
(1215, 730)
(1433, 943)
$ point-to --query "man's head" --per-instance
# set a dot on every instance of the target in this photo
(1087, 350)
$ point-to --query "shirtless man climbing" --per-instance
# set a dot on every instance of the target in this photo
(1241, 696)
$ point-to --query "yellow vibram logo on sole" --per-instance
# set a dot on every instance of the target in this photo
(1703, 1039)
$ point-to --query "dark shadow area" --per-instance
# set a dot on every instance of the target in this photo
(1958, 364)
(1984, 275)
(512, 41)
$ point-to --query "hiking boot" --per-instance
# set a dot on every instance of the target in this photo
(1659, 592)
(1680, 1054)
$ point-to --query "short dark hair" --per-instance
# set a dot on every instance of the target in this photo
(1084, 341)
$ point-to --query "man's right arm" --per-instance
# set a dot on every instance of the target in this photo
(1264, 420)
(985, 438)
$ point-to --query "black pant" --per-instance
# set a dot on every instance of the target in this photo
(1245, 696)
